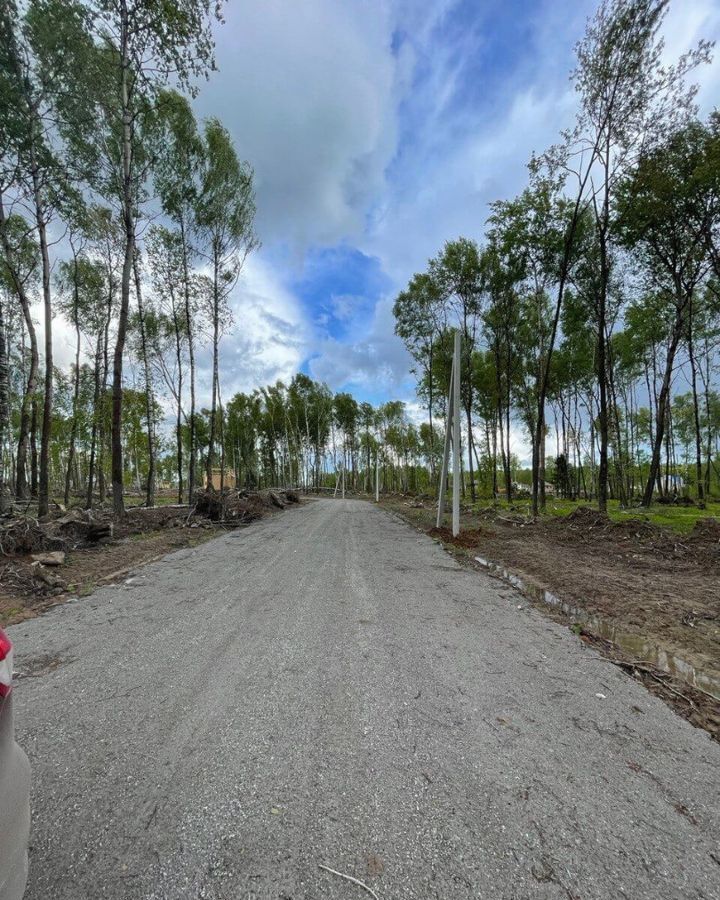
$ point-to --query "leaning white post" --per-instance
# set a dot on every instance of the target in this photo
(456, 436)
(377, 474)
(446, 449)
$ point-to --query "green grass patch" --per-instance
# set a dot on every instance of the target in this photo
(679, 518)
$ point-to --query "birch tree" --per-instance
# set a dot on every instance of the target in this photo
(225, 215)
(126, 52)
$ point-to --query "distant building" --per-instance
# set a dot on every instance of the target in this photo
(228, 481)
(527, 488)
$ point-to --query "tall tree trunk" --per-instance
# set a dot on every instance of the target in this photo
(44, 483)
(541, 466)
(696, 406)
(5, 495)
(619, 462)
(97, 399)
(661, 416)
(22, 487)
(76, 395)
(178, 421)
(150, 488)
(222, 441)
(129, 225)
(707, 380)
(216, 333)
(33, 449)
(602, 221)
(191, 354)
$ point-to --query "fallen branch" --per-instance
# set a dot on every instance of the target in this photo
(350, 878)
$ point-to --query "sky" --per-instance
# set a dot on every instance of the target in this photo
(377, 130)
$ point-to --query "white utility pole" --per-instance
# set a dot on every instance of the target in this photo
(377, 475)
(456, 437)
(446, 450)
(452, 438)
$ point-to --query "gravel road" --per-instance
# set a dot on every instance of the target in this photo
(329, 687)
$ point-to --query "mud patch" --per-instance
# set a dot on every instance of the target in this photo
(42, 664)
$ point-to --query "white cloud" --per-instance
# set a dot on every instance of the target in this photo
(453, 170)
(307, 91)
(373, 363)
(349, 145)
(270, 337)
(687, 22)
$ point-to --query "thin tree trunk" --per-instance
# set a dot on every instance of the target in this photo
(150, 488)
(696, 406)
(661, 416)
(5, 496)
(178, 416)
(216, 330)
(76, 394)
(129, 225)
(33, 449)
(191, 354)
(44, 483)
(22, 488)
(96, 420)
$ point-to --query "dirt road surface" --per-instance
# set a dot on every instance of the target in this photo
(329, 687)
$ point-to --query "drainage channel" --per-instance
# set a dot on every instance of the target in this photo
(637, 646)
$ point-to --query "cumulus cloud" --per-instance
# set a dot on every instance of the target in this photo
(269, 339)
(380, 128)
(374, 364)
(308, 92)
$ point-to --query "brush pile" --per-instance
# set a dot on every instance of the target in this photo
(66, 530)
(23, 535)
(240, 506)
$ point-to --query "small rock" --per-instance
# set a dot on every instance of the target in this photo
(52, 581)
(53, 558)
(601, 696)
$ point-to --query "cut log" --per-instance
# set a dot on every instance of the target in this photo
(99, 531)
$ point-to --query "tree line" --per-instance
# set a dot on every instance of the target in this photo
(593, 303)
(122, 213)
(298, 434)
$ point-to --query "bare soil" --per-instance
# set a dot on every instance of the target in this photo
(637, 579)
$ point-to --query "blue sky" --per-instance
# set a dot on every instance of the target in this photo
(378, 129)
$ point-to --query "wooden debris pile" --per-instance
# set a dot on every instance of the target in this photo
(68, 529)
(24, 535)
(240, 506)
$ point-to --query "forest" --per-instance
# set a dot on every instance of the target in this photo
(589, 314)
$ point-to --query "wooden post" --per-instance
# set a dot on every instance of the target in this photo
(456, 435)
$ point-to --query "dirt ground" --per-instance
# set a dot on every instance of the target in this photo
(28, 588)
(644, 595)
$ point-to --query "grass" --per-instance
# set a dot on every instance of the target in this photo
(679, 518)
